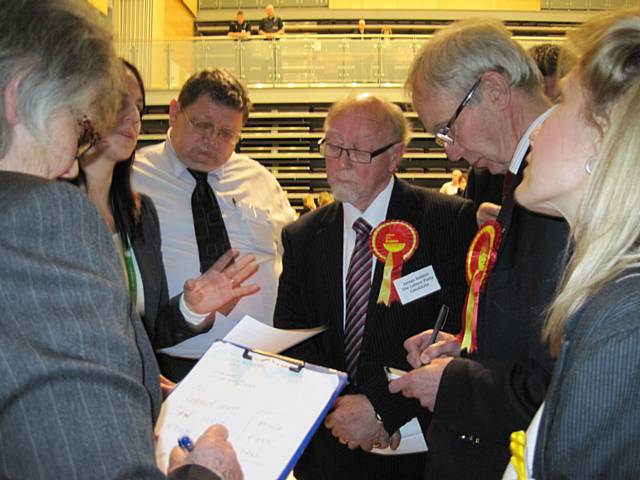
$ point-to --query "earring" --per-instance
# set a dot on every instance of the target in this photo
(587, 165)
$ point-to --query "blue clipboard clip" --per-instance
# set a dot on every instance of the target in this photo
(293, 364)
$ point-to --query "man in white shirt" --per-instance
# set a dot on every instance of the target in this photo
(330, 277)
(206, 122)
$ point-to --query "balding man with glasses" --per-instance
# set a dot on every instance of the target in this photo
(339, 267)
(210, 199)
(481, 95)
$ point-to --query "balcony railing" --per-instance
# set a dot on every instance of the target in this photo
(290, 61)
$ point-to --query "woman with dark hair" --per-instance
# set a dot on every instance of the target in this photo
(133, 221)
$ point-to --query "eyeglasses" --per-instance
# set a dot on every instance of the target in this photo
(357, 156)
(443, 136)
(208, 129)
(87, 139)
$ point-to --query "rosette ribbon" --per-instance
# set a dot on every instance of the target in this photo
(392, 242)
(481, 258)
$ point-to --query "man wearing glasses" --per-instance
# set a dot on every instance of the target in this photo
(209, 198)
(330, 277)
(481, 95)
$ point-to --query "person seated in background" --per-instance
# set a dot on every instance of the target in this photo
(324, 198)
(331, 277)
(80, 390)
(196, 171)
(463, 185)
(308, 204)
(271, 26)
(133, 221)
(362, 27)
(453, 186)
(546, 57)
(239, 29)
(588, 425)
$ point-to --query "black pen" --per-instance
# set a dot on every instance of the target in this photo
(440, 321)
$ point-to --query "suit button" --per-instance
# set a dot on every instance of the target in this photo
(470, 438)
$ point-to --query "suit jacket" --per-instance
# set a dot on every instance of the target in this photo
(162, 318)
(497, 390)
(80, 387)
(311, 293)
(590, 423)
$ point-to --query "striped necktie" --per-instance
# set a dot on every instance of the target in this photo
(357, 293)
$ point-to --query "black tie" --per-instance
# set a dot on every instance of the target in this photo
(208, 223)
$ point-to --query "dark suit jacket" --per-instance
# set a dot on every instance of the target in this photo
(80, 386)
(311, 293)
(497, 390)
(482, 186)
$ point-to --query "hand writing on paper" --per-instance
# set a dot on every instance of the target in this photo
(212, 451)
(353, 421)
(220, 287)
(419, 353)
(422, 383)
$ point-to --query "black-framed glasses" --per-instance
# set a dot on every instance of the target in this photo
(87, 139)
(443, 136)
(357, 156)
(208, 129)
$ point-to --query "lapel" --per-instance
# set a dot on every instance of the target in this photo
(403, 205)
(329, 255)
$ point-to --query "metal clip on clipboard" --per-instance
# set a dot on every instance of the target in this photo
(293, 364)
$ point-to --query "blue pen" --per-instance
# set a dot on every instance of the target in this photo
(185, 443)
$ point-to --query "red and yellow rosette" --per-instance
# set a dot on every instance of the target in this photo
(481, 258)
(392, 242)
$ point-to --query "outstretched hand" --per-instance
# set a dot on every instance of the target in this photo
(219, 288)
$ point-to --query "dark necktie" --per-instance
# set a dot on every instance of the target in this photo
(357, 294)
(211, 233)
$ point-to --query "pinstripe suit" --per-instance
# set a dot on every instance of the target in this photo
(79, 382)
(591, 421)
(310, 294)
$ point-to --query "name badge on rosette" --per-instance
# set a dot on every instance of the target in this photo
(481, 258)
(392, 242)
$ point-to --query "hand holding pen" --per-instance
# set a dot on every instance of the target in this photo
(424, 347)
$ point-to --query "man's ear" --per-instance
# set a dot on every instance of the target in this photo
(174, 109)
(10, 99)
(497, 87)
(397, 154)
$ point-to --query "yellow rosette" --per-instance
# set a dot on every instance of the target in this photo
(392, 242)
(481, 258)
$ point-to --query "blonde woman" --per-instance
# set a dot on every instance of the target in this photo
(584, 165)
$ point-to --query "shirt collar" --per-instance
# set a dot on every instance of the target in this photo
(180, 168)
(523, 145)
(375, 213)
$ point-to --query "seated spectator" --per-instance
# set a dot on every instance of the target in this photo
(308, 204)
(362, 26)
(239, 28)
(271, 26)
(80, 391)
(452, 187)
(324, 198)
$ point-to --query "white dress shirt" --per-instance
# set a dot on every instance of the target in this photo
(525, 142)
(254, 208)
(375, 213)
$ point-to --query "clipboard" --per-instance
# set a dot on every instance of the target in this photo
(271, 405)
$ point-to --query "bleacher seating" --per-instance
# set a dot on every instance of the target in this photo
(284, 139)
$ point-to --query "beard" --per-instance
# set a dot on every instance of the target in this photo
(344, 191)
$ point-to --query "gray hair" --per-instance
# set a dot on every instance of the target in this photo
(398, 124)
(455, 57)
(64, 57)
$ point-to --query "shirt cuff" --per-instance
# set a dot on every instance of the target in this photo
(191, 317)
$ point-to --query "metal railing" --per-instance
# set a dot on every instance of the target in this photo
(291, 61)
